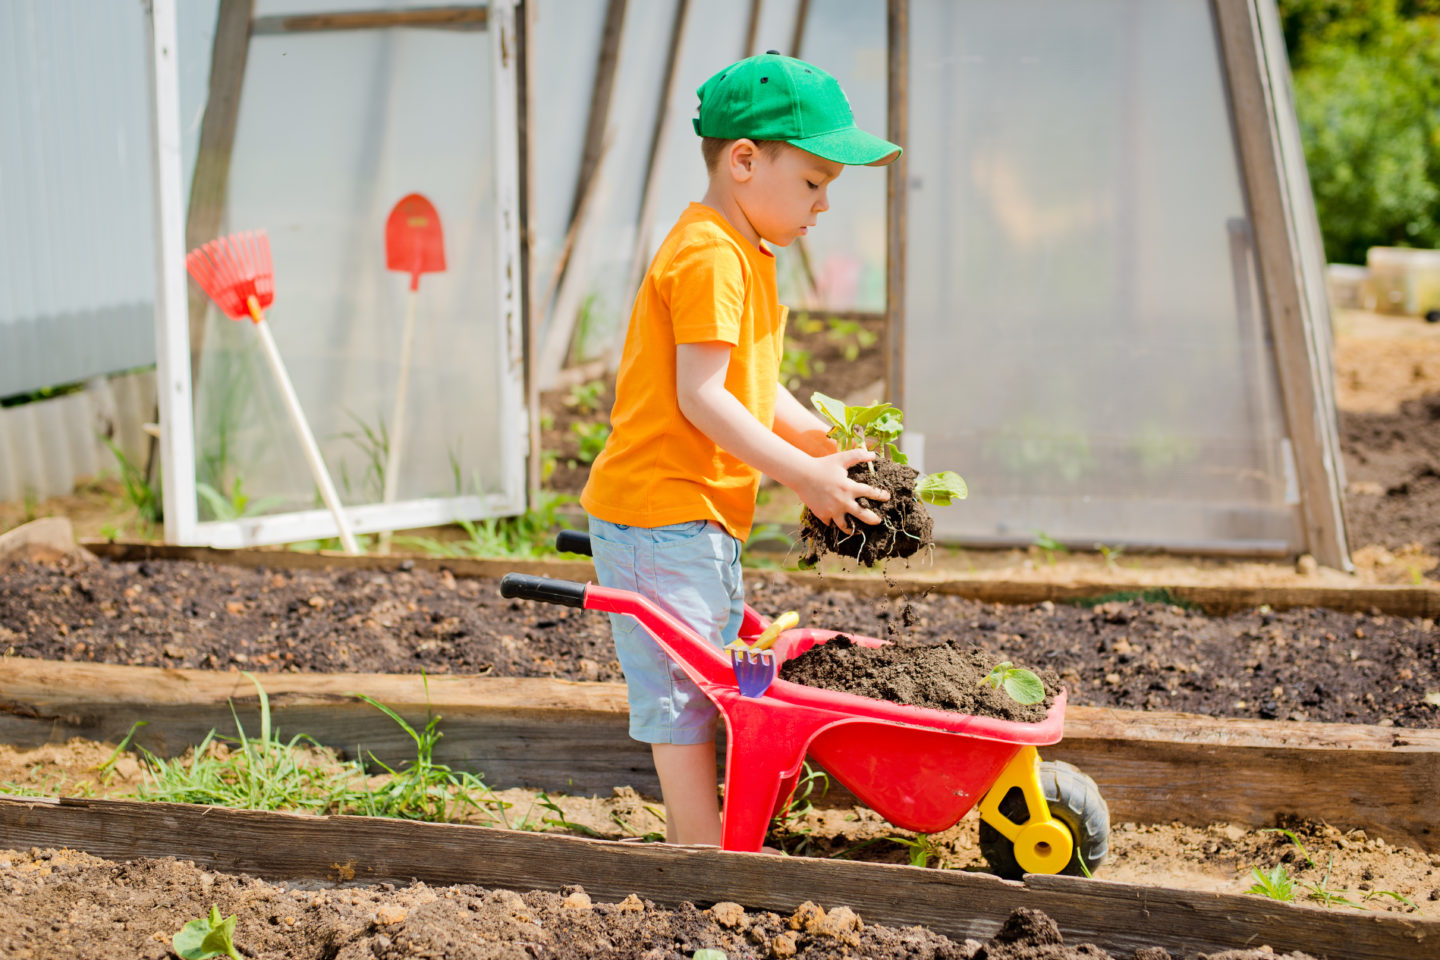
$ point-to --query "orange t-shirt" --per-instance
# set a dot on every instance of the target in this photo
(707, 283)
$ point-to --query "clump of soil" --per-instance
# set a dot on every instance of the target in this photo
(69, 904)
(905, 525)
(943, 676)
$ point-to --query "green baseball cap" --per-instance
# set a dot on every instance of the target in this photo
(772, 97)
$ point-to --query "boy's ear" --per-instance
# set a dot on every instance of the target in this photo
(740, 159)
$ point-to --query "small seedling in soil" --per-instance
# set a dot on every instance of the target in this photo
(207, 937)
(1022, 685)
(1049, 546)
(905, 526)
(1276, 884)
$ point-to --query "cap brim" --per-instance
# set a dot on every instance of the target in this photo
(850, 146)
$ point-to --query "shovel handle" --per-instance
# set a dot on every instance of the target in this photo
(566, 593)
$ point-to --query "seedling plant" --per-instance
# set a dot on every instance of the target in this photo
(207, 937)
(1278, 884)
(1022, 685)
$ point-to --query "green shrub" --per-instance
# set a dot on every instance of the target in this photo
(1367, 93)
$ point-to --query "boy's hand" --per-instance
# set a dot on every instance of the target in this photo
(826, 488)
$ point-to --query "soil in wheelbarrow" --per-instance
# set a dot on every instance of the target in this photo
(1128, 652)
(69, 904)
(905, 525)
(943, 676)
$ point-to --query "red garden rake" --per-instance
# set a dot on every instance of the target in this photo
(237, 273)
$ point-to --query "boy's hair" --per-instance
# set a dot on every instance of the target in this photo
(712, 147)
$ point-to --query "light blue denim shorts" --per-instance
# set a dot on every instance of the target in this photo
(692, 570)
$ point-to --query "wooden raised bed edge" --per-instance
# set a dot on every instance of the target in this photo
(1119, 918)
(572, 737)
(1403, 601)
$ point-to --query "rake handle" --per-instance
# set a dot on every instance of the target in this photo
(307, 439)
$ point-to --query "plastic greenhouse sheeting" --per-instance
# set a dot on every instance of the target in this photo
(1085, 340)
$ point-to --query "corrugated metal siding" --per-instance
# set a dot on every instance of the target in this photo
(46, 448)
(77, 272)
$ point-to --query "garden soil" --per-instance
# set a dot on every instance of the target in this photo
(1302, 665)
(68, 904)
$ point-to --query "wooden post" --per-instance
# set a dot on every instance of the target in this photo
(752, 28)
(524, 22)
(652, 162)
(896, 193)
(209, 186)
(600, 97)
(1275, 208)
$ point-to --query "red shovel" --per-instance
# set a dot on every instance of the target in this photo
(238, 274)
(414, 244)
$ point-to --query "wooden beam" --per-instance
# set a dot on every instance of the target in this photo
(524, 31)
(1400, 601)
(209, 187)
(572, 737)
(601, 90)
(797, 37)
(640, 254)
(896, 194)
(1119, 918)
(752, 28)
(444, 18)
(1309, 410)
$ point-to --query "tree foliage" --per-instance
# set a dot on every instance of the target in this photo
(1367, 92)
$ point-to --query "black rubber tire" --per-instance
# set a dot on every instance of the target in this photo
(1074, 801)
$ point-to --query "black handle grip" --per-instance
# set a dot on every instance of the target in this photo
(567, 593)
(573, 541)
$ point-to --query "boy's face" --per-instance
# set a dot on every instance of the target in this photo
(785, 192)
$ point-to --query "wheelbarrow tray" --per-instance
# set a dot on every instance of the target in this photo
(921, 769)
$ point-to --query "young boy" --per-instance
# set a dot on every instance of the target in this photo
(699, 411)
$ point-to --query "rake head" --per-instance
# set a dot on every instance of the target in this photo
(233, 269)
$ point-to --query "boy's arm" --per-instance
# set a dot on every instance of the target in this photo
(821, 482)
(799, 427)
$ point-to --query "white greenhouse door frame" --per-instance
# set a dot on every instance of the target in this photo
(172, 324)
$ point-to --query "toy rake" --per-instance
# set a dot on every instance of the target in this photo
(237, 273)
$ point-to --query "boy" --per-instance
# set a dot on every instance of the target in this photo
(699, 411)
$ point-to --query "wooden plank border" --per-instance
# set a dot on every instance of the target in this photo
(572, 737)
(1402, 601)
(1120, 918)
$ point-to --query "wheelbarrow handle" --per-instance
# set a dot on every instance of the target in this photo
(566, 593)
(573, 541)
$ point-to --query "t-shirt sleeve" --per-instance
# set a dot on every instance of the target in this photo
(704, 286)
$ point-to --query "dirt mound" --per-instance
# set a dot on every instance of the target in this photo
(944, 676)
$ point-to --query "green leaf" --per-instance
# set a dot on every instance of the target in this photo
(830, 408)
(1023, 686)
(866, 416)
(1433, 698)
(710, 953)
(941, 488)
(207, 937)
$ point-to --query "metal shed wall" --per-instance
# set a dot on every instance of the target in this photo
(76, 203)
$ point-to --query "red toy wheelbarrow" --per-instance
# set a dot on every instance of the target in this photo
(921, 769)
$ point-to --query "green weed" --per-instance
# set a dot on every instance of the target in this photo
(592, 434)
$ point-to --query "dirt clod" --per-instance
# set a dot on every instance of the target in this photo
(905, 525)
